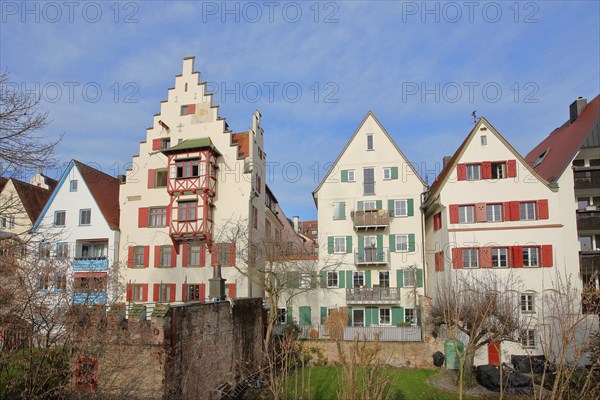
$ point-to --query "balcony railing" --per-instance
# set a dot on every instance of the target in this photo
(371, 256)
(89, 298)
(373, 295)
(588, 220)
(376, 219)
(384, 333)
(90, 264)
(590, 259)
(587, 177)
(590, 303)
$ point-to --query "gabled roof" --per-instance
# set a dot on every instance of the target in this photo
(32, 197)
(190, 144)
(2, 183)
(242, 140)
(442, 178)
(103, 188)
(564, 142)
(372, 115)
(50, 182)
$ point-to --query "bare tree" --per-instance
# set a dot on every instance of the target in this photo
(21, 143)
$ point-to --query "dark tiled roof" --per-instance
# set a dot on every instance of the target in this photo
(33, 198)
(50, 182)
(241, 139)
(105, 190)
(564, 143)
(2, 182)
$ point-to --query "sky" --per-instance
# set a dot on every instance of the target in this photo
(313, 69)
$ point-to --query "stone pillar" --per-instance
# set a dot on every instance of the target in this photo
(216, 285)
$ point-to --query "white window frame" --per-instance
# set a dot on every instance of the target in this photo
(357, 310)
(385, 319)
(369, 205)
(372, 144)
(412, 312)
(527, 211)
(305, 280)
(527, 338)
(527, 302)
(497, 252)
(409, 278)
(495, 214)
(165, 257)
(281, 312)
(500, 168)
(333, 275)
(137, 292)
(387, 174)
(164, 292)
(466, 214)
(155, 215)
(365, 192)
(73, 185)
(473, 172)
(138, 256)
(360, 276)
(401, 244)
(398, 204)
(533, 253)
(470, 262)
(81, 214)
(339, 244)
(351, 175)
(62, 250)
(56, 214)
(385, 273)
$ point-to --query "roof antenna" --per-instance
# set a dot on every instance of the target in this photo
(474, 114)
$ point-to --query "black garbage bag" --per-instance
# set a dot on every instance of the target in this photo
(438, 358)
(529, 364)
(514, 382)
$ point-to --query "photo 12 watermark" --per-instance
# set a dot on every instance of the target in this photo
(74, 92)
(52, 12)
(253, 12)
(272, 92)
(452, 12)
(471, 92)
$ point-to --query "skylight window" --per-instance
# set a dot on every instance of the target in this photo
(541, 158)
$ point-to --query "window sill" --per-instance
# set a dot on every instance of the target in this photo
(527, 312)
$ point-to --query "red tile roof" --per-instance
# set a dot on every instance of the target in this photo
(105, 190)
(564, 143)
(2, 182)
(241, 139)
(306, 228)
(32, 197)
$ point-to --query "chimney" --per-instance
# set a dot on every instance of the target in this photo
(446, 160)
(576, 108)
(296, 223)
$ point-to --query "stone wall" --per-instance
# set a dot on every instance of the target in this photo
(183, 352)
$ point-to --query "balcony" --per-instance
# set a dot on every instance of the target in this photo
(89, 298)
(590, 302)
(90, 264)
(590, 260)
(373, 295)
(588, 220)
(376, 219)
(587, 177)
(371, 256)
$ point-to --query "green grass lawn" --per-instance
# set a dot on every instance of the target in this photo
(404, 384)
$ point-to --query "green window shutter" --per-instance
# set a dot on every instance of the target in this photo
(289, 318)
(341, 279)
(380, 242)
(375, 311)
(400, 278)
(330, 244)
(411, 242)
(349, 282)
(344, 175)
(361, 244)
(348, 244)
(294, 279)
(410, 206)
(323, 279)
(342, 210)
(392, 243)
(397, 315)
(394, 172)
(378, 205)
(305, 315)
(323, 315)
(313, 279)
(367, 278)
(419, 278)
(349, 316)
(369, 316)
(391, 207)
(360, 206)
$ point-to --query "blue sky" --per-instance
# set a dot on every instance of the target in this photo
(422, 68)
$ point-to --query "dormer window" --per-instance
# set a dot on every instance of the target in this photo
(540, 158)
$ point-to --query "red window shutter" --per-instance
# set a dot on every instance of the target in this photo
(130, 257)
(129, 291)
(517, 256)
(480, 212)
(169, 210)
(173, 257)
(146, 256)
(232, 294)
(506, 211)
(202, 255)
(542, 206)
(202, 292)
(214, 257)
(547, 256)
(185, 255)
(155, 294)
(511, 168)
(151, 177)
(457, 261)
(461, 172)
(515, 211)
(439, 261)
(156, 144)
(191, 109)
(156, 256)
(172, 292)
(142, 217)
(184, 292)
(145, 292)
(485, 257)
(454, 213)
(486, 170)
(232, 254)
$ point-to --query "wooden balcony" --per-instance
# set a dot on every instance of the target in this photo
(373, 295)
(371, 256)
(375, 219)
(587, 177)
(588, 220)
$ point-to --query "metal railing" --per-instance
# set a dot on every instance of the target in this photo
(372, 295)
(385, 333)
(371, 256)
(588, 220)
